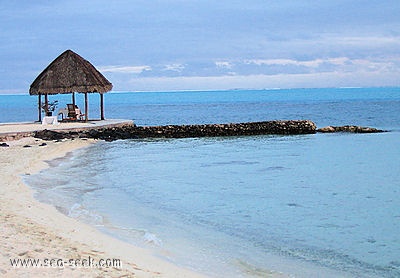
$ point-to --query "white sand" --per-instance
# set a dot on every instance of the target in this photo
(30, 229)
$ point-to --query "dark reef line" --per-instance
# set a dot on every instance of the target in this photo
(287, 127)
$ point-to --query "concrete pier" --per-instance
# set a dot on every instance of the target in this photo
(15, 131)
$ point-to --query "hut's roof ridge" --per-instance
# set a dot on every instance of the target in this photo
(69, 73)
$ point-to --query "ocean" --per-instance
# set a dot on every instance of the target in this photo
(323, 205)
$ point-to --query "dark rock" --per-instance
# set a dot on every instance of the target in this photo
(204, 130)
(51, 135)
(4, 145)
(27, 146)
(349, 128)
(186, 131)
(327, 129)
(43, 144)
(73, 134)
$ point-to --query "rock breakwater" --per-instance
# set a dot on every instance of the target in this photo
(131, 131)
(289, 127)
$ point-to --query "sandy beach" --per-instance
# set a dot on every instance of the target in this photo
(33, 230)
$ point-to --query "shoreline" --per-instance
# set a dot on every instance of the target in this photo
(38, 231)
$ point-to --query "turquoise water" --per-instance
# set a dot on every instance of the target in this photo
(324, 205)
(362, 106)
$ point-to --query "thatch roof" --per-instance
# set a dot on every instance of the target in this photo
(69, 73)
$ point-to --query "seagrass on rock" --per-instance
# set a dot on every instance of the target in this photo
(67, 74)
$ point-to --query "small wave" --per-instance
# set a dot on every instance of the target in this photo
(78, 211)
(274, 168)
(231, 162)
(151, 238)
(342, 262)
(293, 205)
(253, 271)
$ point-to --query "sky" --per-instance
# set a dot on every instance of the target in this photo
(160, 45)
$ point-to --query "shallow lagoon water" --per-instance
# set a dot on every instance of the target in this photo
(243, 205)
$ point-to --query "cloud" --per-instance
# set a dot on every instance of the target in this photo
(367, 40)
(11, 91)
(224, 64)
(174, 67)
(125, 69)
(309, 80)
(285, 62)
(273, 73)
(257, 73)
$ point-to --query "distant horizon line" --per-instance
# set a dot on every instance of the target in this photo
(13, 92)
(252, 89)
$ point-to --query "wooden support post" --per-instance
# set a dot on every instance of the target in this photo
(73, 98)
(46, 104)
(86, 107)
(102, 107)
(40, 107)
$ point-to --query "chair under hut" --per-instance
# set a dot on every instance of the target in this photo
(69, 73)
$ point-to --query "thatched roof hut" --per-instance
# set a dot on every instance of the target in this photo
(70, 73)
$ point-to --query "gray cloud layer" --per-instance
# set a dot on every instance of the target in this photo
(137, 42)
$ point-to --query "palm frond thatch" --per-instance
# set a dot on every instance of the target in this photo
(69, 73)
